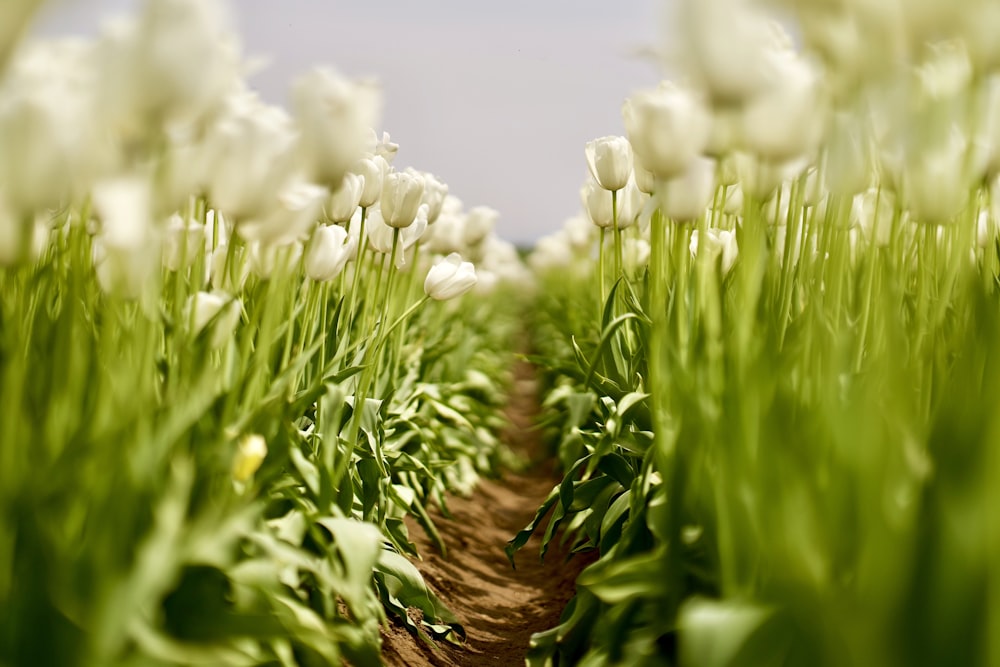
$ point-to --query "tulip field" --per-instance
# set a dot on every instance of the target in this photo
(246, 360)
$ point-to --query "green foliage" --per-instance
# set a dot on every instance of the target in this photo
(791, 463)
(127, 537)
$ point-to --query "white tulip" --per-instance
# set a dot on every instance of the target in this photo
(630, 202)
(435, 193)
(373, 171)
(218, 307)
(334, 116)
(250, 155)
(345, 199)
(402, 192)
(785, 120)
(449, 278)
(610, 161)
(380, 235)
(725, 46)
(174, 65)
(329, 251)
(686, 197)
(597, 202)
(645, 180)
(719, 243)
(667, 128)
(298, 208)
(51, 147)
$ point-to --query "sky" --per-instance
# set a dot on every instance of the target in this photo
(497, 99)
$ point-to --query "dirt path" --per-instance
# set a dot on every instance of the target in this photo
(499, 607)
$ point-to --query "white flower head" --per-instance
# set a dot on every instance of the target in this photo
(250, 156)
(218, 309)
(686, 197)
(335, 116)
(402, 193)
(297, 209)
(610, 161)
(345, 199)
(449, 278)
(329, 251)
(667, 128)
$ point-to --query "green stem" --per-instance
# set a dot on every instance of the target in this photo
(600, 271)
(618, 234)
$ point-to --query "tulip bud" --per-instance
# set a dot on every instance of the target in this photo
(719, 243)
(449, 278)
(645, 180)
(250, 453)
(334, 116)
(173, 66)
(250, 155)
(667, 128)
(298, 208)
(331, 248)
(610, 161)
(630, 202)
(401, 195)
(434, 195)
(597, 202)
(217, 307)
(726, 46)
(345, 199)
(785, 121)
(373, 170)
(686, 197)
(49, 130)
(380, 235)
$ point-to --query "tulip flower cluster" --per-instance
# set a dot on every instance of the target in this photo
(218, 405)
(771, 421)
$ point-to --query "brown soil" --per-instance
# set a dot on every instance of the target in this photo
(499, 607)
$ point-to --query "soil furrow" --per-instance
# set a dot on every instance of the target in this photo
(499, 607)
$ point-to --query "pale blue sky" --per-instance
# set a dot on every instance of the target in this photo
(497, 99)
